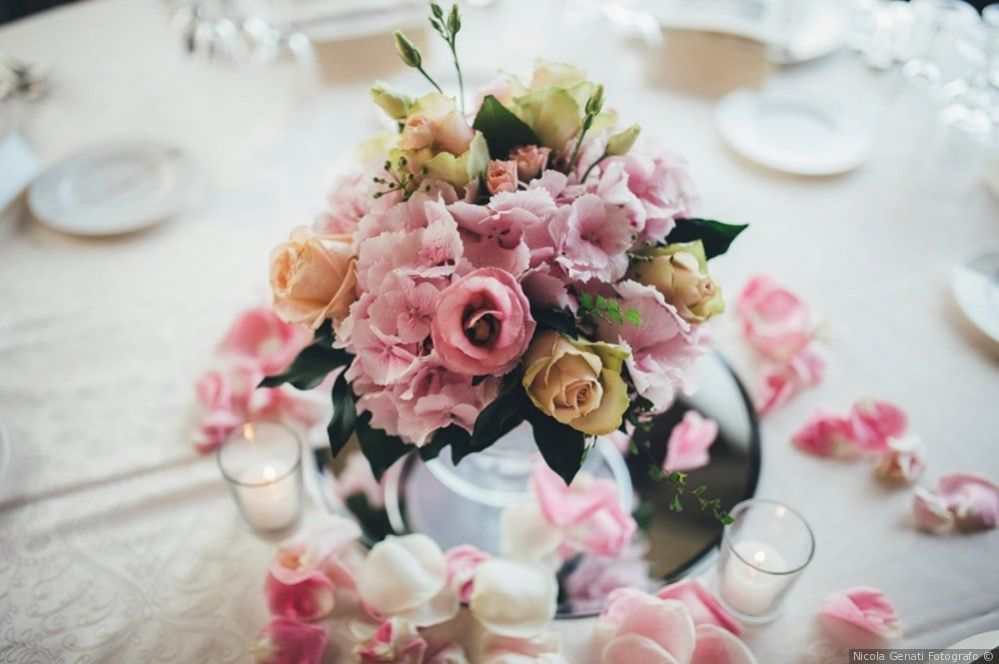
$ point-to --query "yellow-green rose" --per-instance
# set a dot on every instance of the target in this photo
(577, 382)
(680, 272)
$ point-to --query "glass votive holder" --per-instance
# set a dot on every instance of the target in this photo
(763, 552)
(262, 462)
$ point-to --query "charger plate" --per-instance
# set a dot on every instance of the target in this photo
(673, 545)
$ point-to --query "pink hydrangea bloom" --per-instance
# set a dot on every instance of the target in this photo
(689, 441)
(854, 614)
(661, 182)
(592, 238)
(287, 641)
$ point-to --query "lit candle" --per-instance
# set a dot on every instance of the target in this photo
(751, 582)
(268, 504)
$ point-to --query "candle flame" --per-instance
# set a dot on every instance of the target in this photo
(269, 473)
(780, 511)
(248, 431)
(759, 557)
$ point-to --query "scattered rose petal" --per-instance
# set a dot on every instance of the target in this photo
(395, 641)
(854, 614)
(631, 648)
(299, 595)
(286, 641)
(666, 623)
(972, 499)
(782, 382)
(775, 321)
(462, 561)
(875, 422)
(525, 534)
(902, 461)
(930, 512)
(512, 598)
(406, 577)
(689, 441)
(541, 649)
(718, 646)
(703, 606)
(826, 434)
(259, 340)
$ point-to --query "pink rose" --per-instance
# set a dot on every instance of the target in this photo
(417, 133)
(704, 608)
(501, 176)
(531, 161)
(775, 321)
(856, 614)
(483, 323)
(396, 641)
(689, 441)
(462, 561)
(260, 341)
(313, 277)
(286, 641)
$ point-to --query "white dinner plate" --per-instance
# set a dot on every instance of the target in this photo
(976, 289)
(794, 134)
(115, 188)
(983, 641)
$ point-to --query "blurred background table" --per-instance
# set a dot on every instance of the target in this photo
(119, 543)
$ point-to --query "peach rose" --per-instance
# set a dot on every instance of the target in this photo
(531, 160)
(577, 382)
(313, 277)
(501, 176)
(680, 273)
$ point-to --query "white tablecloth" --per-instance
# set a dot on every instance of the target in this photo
(118, 543)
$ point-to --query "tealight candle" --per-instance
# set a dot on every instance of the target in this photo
(262, 463)
(764, 551)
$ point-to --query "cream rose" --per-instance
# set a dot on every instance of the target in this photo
(313, 277)
(577, 382)
(680, 273)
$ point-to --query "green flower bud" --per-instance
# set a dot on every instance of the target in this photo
(596, 101)
(407, 50)
(621, 142)
(454, 20)
(395, 104)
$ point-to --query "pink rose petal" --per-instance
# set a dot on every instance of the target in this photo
(462, 561)
(666, 623)
(632, 648)
(930, 512)
(775, 321)
(718, 646)
(704, 608)
(782, 382)
(826, 434)
(854, 614)
(902, 461)
(286, 641)
(689, 441)
(299, 595)
(972, 499)
(875, 422)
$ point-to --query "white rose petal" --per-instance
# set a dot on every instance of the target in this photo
(402, 573)
(513, 598)
(526, 535)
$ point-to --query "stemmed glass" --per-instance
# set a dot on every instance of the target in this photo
(934, 22)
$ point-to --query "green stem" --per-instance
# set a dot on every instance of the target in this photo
(579, 144)
(593, 165)
(461, 82)
(432, 81)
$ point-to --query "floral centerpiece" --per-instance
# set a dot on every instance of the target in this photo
(520, 259)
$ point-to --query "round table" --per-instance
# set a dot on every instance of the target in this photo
(119, 543)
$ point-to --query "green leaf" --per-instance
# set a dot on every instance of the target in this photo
(341, 426)
(496, 420)
(715, 235)
(503, 130)
(553, 318)
(562, 447)
(379, 448)
(675, 505)
(310, 367)
(634, 317)
(453, 435)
